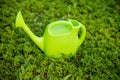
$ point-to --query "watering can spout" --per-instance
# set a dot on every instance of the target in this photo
(39, 41)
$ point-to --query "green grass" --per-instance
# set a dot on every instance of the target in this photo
(98, 58)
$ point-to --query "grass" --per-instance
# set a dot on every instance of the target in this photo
(98, 58)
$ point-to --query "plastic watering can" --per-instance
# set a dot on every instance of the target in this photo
(60, 37)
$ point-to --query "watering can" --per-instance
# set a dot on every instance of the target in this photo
(60, 37)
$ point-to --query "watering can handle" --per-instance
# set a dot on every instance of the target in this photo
(82, 37)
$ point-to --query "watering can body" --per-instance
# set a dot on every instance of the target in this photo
(60, 37)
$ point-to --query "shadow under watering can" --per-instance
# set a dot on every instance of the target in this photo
(60, 37)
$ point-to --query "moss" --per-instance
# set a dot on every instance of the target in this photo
(97, 58)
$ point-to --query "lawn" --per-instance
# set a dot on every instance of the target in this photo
(98, 58)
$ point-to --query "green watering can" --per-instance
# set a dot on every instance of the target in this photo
(60, 37)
